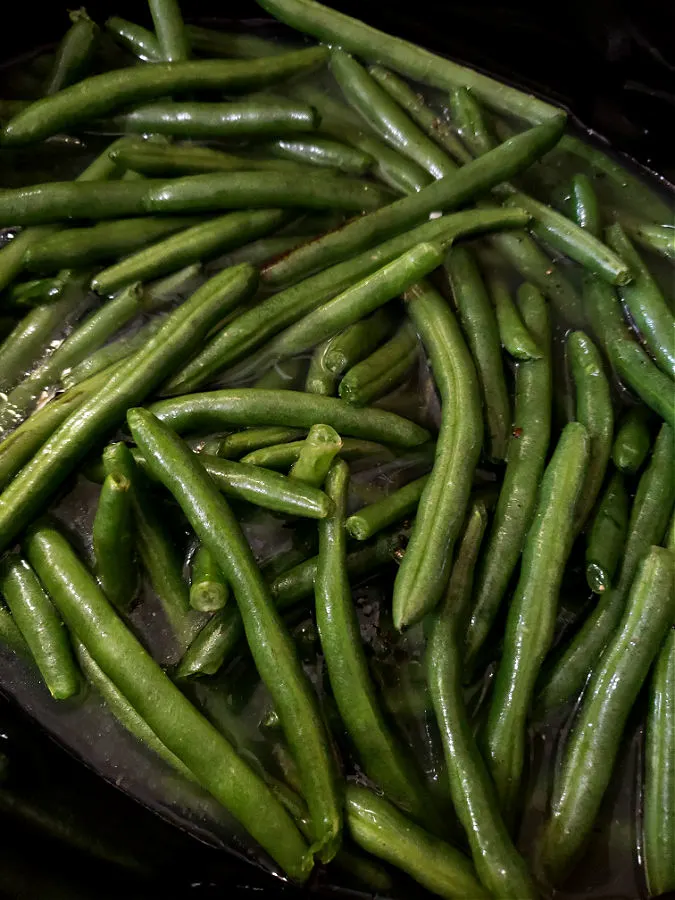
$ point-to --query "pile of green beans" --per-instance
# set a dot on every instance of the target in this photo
(362, 410)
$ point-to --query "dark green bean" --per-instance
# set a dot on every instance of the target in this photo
(379, 828)
(282, 456)
(170, 30)
(383, 370)
(241, 443)
(594, 411)
(74, 53)
(632, 441)
(648, 520)
(479, 323)
(526, 455)
(200, 242)
(319, 380)
(645, 302)
(658, 239)
(40, 625)
(171, 716)
(321, 151)
(467, 116)
(586, 211)
(607, 535)
(513, 333)
(111, 354)
(424, 571)
(447, 193)
(388, 511)
(113, 541)
(252, 328)
(357, 341)
(132, 382)
(208, 589)
(658, 822)
(499, 866)
(615, 683)
(99, 94)
(531, 618)
(319, 449)
(273, 652)
(138, 40)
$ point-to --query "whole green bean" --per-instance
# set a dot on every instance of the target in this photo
(632, 441)
(432, 124)
(74, 53)
(40, 625)
(200, 242)
(447, 193)
(647, 524)
(132, 382)
(615, 683)
(321, 151)
(383, 370)
(319, 380)
(532, 614)
(380, 754)
(250, 406)
(659, 239)
(140, 41)
(273, 652)
(513, 333)
(479, 323)
(171, 35)
(319, 449)
(171, 716)
(379, 828)
(586, 211)
(99, 94)
(252, 328)
(282, 456)
(594, 411)
(113, 541)
(645, 302)
(388, 511)
(208, 589)
(499, 866)
(421, 579)
(241, 443)
(526, 455)
(658, 823)
(386, 116)
(607, 535)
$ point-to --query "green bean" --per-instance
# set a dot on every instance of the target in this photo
(282, 456)
(113, 541)
(202, 241)
(74, 53)
(99, 94)
(274, 313)
(10, 636)
(319, 449)
(39, 290)
(319, 380)
(348, 308)
(526, 455)
(659, 239)
(419, 112)
(531, 618)
(111, 354)
(208, 589)
(645, 302)
(607, 535)
(40, 625)
(467, 115)
(586, 211)
(382, 758)
(388, 511)
(171, 717)
(499, 866)
(171, 35)
(594, 411)
(241, 443)
(383, 369)
(233, 45)
(85, 337)
(658, 823)
(632, 441)
(33, 334)
(379, 828)
(627, 357)
(513, 333)
(321, 151)
(272, 649)
(647, 524)
(447, 193)
(421, 579)
(249, 406)
(356, 341)
(132, 382)
(479, 323)
(80, 247)
(386, 117)
(138, 40)
(615, 683)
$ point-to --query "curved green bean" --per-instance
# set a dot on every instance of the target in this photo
(513, 333)
(74, 53)
(140, 41)
(383, 370)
